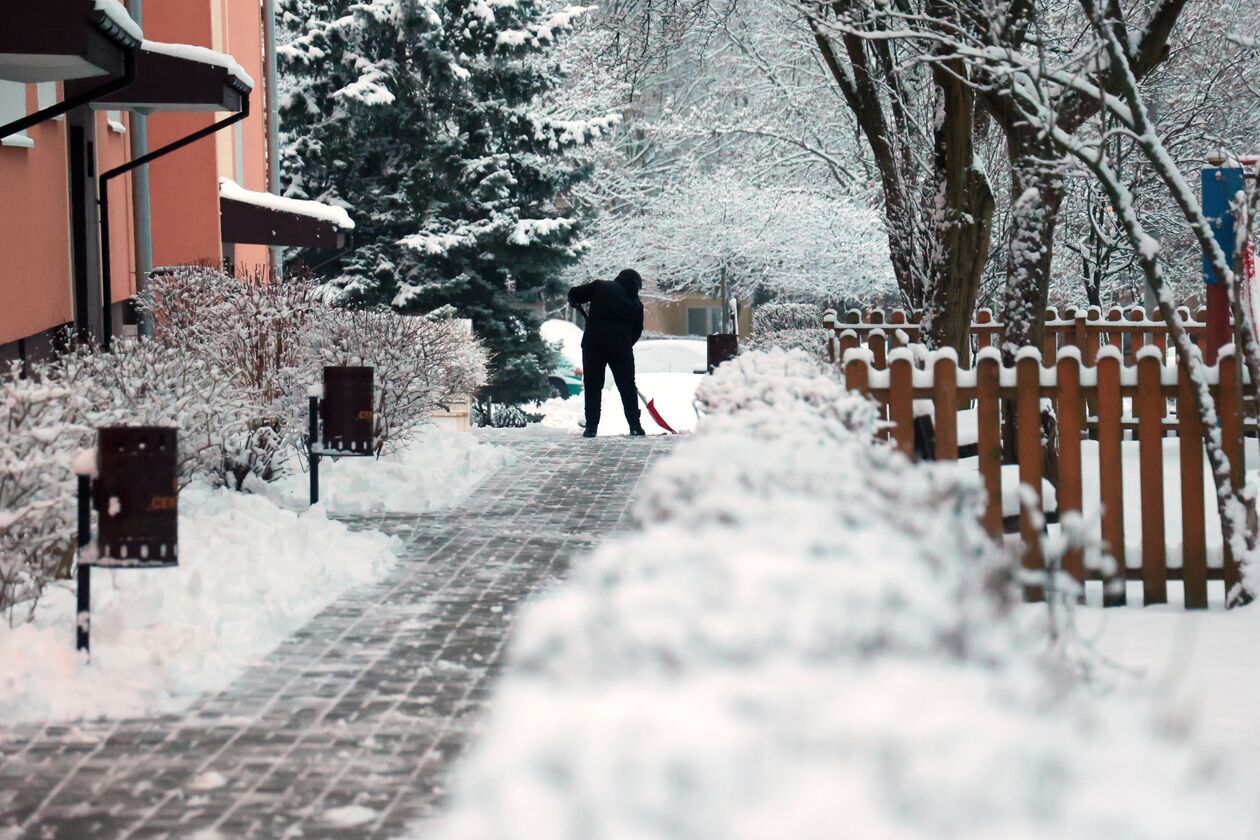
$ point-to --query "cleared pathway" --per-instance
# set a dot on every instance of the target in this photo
(350, 726)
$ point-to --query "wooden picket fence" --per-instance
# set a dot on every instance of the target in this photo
(1089, 329)
(1159, 405)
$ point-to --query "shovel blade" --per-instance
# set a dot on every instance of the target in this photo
(658, 419)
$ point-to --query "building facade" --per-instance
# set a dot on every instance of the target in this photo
(191, 85)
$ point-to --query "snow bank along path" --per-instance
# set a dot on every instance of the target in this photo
(812, 638)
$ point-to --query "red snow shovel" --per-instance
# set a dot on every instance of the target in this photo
(650, 405)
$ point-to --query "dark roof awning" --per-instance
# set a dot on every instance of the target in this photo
(57, 40)
(181, 77)
(256, 218)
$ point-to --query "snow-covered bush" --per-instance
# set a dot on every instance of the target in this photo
(272, 338)
(39, 436)
(810, 636)
(421, 363)
(790, 326)
(789, 379)
(502, 416)
(774, 317)
(257, 331)
(147, 383)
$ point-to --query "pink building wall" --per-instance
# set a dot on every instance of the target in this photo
(36, 281)
(35, 284)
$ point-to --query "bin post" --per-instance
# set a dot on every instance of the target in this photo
(83, 613)
(312, 447)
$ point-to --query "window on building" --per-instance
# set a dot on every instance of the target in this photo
(13, 107)
(704, 320)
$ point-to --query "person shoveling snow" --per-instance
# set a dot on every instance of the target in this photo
(614, 323)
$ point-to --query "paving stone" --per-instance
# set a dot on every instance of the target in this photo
(369, 703)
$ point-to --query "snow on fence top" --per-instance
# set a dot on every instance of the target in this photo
(202, 55)
(118, 16)
(1132, 317)
(1127, 330)
(924, 365)
(324, 212)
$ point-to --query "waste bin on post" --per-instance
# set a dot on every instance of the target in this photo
(347, 406)
(134, 486)
(347, 409)
(137, 492)
(722, 347)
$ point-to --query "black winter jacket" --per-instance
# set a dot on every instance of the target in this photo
(616, 313)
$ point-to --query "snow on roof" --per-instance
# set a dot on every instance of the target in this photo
(314, 209)
(203, 55)
(118, 16)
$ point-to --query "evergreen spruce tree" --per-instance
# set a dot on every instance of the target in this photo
(428, 120)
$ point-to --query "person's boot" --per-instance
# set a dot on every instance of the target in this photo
(590, 431)
(636, 428)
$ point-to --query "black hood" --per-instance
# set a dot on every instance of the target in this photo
(630, 281)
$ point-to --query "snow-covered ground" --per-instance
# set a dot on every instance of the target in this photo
(253, 569)
(1198, 662)
(812, 638)
(665, 370)
(250, 573)
(435, 470)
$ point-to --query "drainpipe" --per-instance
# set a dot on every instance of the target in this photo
(107, 327)
(140, 208)
(273, 118)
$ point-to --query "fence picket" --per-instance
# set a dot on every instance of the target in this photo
(901, 401)
(1111, 473)
(1193, 531)
(1028, 446)
(1149, 407)
(877, 342)
(1230, 411)
(1071, 424)
(989, 439)
(848, 341)
(945, 407)
(857, 375)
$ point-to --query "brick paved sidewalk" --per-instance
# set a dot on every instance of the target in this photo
(348, 727)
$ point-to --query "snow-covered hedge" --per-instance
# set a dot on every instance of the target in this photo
(421, 363)
(788, 326)
(811, 637)
(273, 338)
(773, 317)
(39, 431)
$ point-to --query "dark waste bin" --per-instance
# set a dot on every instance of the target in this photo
(137, 495)
(348, 409)
(722, 347)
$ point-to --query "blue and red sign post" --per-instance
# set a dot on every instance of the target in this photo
(1220, 185)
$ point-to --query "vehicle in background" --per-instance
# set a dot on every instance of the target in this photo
(566, 378)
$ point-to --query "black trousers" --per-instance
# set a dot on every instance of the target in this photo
(620, 357)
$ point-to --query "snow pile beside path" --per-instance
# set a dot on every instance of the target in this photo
(811, 638)
(250, 574)
(437, 469)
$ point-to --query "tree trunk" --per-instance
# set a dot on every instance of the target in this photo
(1036, 197)
(963, 219)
